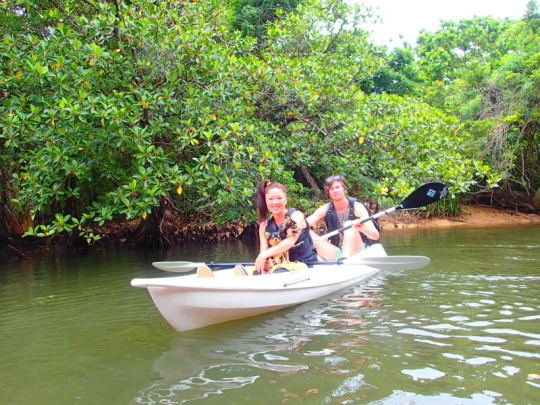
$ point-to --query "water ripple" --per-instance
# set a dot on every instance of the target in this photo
(426, 373)
(419, 332)
(192, 389)
(512, 352)
(463, 330)
(512, 332)
(399, 397)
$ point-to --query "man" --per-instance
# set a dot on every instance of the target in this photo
(338, 213)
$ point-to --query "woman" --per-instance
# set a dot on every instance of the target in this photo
(338, 213)
(271, 198)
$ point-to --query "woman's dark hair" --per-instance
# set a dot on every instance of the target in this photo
(260, 197)
(332, 179)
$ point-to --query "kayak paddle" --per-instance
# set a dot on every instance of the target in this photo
(422, 196)
(183, 267)
(381, 262)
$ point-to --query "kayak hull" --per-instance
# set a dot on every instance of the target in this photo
(188, 302)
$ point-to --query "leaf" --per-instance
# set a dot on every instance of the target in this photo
(41, 69)
(179, 190)
(96, 50)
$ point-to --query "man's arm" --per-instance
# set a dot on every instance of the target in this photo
(318, 215)
(367, 228)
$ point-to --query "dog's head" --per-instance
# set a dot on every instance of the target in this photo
(273, 238)
(290, 228)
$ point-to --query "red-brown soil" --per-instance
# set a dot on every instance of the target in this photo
(471, 216)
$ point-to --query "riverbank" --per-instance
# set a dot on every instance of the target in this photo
(124, 234)
(471, 216)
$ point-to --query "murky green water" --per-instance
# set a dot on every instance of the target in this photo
(464, 330)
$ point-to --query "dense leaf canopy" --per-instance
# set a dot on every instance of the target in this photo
(113, 110)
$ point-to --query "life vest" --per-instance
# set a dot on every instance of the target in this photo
(332, 224)
(304, 249)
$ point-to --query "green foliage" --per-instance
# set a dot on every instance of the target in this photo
(20, 17)
(486, 71)
(403, 143)
(395, 75)
(446, 53)
(101, 128)
(252, 16)
(115, 113)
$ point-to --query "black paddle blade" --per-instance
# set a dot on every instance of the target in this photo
(424, 195)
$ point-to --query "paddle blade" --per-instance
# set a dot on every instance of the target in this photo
(183, 267)
(176, 267)
(392, 262)
(424, 195)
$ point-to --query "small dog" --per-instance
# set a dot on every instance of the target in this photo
(273, 240)
(289, 228)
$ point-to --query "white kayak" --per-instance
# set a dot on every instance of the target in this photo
(189, 302)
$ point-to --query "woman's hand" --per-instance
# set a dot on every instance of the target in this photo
(261, 263)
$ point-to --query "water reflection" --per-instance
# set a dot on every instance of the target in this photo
(434, 328)
(200, 365)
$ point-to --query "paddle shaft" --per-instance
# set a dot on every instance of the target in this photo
(422, 196)
(356, 221)
(384, 261)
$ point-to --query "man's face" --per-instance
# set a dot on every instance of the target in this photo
(337, 190)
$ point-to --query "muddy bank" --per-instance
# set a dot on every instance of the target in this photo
(471, 216)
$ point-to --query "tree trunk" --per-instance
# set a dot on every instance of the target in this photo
(311, 181)
(16, 221)
(149, 232)
(536, 199)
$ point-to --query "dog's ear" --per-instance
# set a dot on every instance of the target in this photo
(289, 228)
(267, 235)
(292, 231)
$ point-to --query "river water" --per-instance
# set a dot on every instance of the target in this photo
(463, 330)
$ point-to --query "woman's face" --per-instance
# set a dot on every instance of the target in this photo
(276, 200)
(337, 190)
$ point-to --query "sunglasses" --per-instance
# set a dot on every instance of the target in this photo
(331, 179)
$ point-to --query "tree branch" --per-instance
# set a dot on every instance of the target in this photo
(333, 40)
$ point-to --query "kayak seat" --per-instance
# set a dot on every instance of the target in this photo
(203, 271)
(280, 270)
(240, 271)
